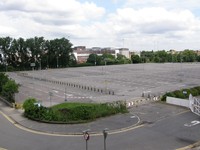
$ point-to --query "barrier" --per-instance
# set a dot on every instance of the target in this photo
(94, 89)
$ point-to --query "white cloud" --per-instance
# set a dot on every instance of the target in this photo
(139, 23)
(168, 4)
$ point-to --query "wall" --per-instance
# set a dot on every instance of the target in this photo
(178, 101)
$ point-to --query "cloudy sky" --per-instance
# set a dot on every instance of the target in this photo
(134, 24)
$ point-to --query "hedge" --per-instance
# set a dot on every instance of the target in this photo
(183, 93)
(71, 112)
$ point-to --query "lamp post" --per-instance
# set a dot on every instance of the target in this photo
(65, 95)
(57, 59)
(50, 95)
(105, 134)
(6, 64)
(40, 64)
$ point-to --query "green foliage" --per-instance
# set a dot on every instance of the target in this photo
(184, 93)
(3, 79)
(121, 59)
(198, 58)
(94, 59)
(36, 50)
(135, 59)
(164, 56)
(9, 90)
(72, 112)
(83, 65)
(179, 94)
(29, 104)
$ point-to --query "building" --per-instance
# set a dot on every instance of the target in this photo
(198, 52)
(81, 53)
(125, 52)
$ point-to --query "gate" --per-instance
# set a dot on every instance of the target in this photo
(194, 105)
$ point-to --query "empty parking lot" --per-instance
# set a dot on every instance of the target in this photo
(106, 83)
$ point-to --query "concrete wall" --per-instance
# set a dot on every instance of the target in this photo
(178, 101)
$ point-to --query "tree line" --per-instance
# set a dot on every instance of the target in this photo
(38, 53)
(23, 54)
(107, 59)
(164, 56)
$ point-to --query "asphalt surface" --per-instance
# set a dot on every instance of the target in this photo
(113, 123)
(106, 83)
(149, 127)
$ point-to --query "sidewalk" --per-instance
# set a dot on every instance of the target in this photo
(115, 123)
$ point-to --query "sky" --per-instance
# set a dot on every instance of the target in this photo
(134, 24)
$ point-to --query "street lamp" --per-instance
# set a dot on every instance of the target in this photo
(105, 134)
(57, 60)
(65, 95)
(6, 64)
(40, 64)
(50, 95)
(86, 137)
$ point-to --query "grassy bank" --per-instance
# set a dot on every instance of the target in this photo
(72, 112)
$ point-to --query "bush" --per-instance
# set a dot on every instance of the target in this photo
(198, 89)
(29, 106)
(180, 93)
(9, 90)
(72, 112)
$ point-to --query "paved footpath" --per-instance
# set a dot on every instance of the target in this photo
(115, 123)
(148, 114)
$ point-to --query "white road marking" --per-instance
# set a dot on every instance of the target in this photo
(192, 123)
(132, 117)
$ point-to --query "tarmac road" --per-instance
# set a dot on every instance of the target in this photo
(161, 127)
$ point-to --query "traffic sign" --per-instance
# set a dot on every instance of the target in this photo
(86, 136)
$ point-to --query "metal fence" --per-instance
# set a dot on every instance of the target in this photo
(194, 105)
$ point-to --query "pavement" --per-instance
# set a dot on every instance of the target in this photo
(148, 113)
(117, 123)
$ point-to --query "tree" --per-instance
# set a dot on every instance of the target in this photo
(58, 52)
(20, 53)
(198, 58)
(162, 56)
(3, 79)
(5, 45)
(19, 46)
(135, 59)
(72, 60)
(107, 59)
(121, 59)
(147, 56)
(94, 59)
(189, 55)
(9, 90)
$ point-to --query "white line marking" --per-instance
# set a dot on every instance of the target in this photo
(193, 123)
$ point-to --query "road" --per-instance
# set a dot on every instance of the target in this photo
(157, 131)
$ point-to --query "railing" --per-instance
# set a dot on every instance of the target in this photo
(194, 105)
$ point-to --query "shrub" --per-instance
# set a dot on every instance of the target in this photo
(198, 89)
(9, 89)
(170, 94)
(29, 106)
(180, 93)
(72, 112)
(194, 92)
